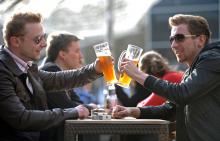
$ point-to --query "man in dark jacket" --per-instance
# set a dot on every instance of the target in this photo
(196, 100)
(23, 105)
(62, 53)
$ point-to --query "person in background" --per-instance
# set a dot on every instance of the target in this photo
(194, 103)
(23, 103)
(153, 63)
(62, 53)
(85, 94)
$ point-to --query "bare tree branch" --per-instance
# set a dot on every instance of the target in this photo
(12, 5)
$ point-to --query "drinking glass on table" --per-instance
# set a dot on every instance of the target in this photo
(104, 54)
(132, 53)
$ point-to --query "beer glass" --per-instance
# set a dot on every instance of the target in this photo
(103, 53)
(132, 53)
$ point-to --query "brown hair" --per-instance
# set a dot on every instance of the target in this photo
(58, 41)
(15, 25)
(154, 63)
(197, 25)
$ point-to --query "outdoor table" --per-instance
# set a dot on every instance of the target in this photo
(73, 128)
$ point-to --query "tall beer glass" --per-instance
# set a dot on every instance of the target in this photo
(132, 53)
(103, 53)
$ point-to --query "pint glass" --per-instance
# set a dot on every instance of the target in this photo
(132, 53)
(103, 53)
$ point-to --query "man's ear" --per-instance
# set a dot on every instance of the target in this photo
(201, 40)
(61, 54)
(14, 41)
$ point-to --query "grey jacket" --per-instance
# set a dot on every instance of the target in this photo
(196, 100)
(23, 114)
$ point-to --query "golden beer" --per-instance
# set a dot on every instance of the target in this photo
(124, 79)
(107, 69)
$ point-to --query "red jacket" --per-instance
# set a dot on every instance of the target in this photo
(154, 99)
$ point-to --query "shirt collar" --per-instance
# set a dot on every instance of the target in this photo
(23, 66)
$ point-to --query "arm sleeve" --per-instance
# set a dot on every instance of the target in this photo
(60, 99)
(199, 82)
(19, 117)
(140, 93)
(166, 111)
(154, 99)
(69, 79)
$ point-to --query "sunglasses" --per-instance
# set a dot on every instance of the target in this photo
(180, 37)
(39, 38)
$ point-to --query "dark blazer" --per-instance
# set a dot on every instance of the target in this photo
(60, 99)
(23, 115)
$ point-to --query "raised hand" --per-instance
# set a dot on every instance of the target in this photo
(131, 70)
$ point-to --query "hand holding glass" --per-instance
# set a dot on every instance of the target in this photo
(103, 53)
(132, 53)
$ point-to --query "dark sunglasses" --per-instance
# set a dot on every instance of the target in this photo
(180, 37)
(39, 38)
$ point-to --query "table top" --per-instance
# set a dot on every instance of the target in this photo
(127, 126)
(118, 121)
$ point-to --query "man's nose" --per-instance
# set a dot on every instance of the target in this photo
(174, 44)
(43, 45)
(81, 55)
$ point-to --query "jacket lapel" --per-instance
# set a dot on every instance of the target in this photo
(38, 91)
(39, 95)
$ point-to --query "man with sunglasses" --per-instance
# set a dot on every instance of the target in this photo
(195, 102)
(23, 104)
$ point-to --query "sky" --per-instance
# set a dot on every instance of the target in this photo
(124, 20)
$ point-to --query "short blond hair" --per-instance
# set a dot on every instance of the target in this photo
(15, 25)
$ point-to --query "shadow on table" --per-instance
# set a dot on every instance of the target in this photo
(118, 137)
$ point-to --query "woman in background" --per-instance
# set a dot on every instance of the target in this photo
(155, 64)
